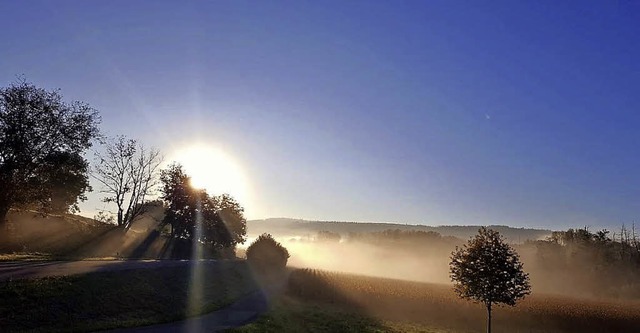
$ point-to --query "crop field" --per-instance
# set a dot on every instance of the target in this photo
(435, 305)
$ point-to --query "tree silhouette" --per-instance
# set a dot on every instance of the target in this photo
(128, 173)
(41, 136)
(216, 221)
(487, 270)
(266, 254)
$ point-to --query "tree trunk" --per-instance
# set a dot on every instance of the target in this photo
(5, 237)
(4, 210)
(120, 222)
(488, 317)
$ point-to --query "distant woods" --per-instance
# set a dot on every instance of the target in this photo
(595, 263)
(43, 168)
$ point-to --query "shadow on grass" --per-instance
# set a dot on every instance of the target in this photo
(118, 299)
(288, 314)
(307, 303)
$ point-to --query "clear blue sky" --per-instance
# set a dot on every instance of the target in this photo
(434, 112)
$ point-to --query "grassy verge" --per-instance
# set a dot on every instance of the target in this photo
(118, 299)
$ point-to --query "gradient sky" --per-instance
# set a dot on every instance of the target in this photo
(433, 112)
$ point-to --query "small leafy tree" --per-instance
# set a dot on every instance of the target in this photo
(487, 270)
(265, 254)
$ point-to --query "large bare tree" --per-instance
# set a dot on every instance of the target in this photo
(128, 173)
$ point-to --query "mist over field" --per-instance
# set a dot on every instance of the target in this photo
(370, 259)
(575, 270)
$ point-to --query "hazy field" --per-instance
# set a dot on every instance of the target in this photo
(403, 285)
(430, 306)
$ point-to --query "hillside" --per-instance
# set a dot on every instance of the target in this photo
(285, 227)
(75, 236)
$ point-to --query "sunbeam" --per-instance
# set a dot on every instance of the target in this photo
(196, 283)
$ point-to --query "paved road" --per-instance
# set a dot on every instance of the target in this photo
(36, 269)
(242, 312)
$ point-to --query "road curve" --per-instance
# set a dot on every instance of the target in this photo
(241, 312)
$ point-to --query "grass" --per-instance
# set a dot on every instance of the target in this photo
(331, 302)
(117, 299)
(291, 314)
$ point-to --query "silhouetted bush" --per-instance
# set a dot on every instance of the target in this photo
(265, 254)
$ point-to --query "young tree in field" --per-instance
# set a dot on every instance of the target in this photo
(42, 139)
(487, 270)
(216, 221)
(128, 173)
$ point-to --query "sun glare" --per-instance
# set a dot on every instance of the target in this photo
(213, 170)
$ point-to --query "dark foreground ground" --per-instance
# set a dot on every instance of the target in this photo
(146, 293)
(174, 296)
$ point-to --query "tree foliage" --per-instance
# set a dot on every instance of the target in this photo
(42, 139)
(487, 270)
(128, 173)
(216, 221)
(63, 182)
(266, 254)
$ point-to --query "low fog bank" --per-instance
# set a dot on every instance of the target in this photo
(369, 259)
(423, 258)
(579, 267)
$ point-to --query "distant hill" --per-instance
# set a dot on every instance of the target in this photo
(295, 227)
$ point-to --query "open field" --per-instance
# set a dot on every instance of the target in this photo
(387, 305)
(119, 299)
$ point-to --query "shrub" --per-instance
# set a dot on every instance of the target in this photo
(265, 254)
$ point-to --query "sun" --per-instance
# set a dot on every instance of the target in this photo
(213, 170)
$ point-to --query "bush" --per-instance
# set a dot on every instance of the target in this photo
(265, 254)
